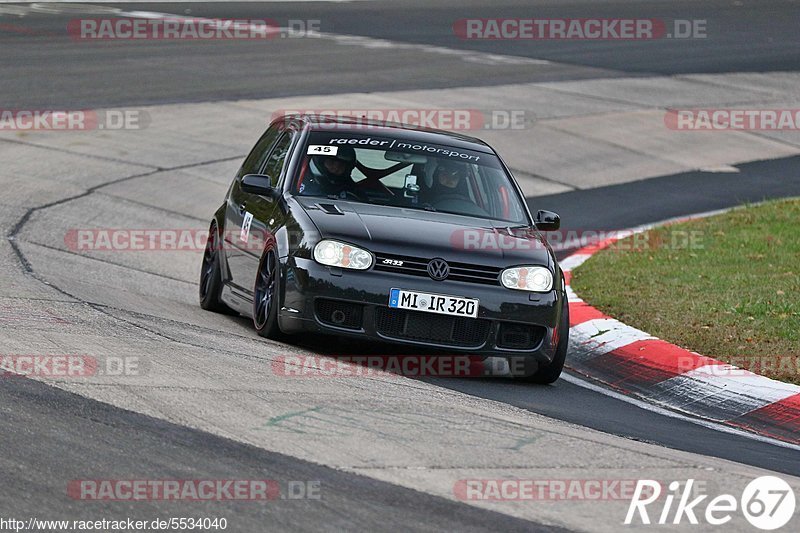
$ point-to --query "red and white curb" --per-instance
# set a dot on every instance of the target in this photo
(638, 364)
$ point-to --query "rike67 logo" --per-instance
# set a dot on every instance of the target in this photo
(767, 502)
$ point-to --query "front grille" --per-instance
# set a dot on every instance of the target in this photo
(514, 336)
(417, 266)
(427, 327)
(340, 314)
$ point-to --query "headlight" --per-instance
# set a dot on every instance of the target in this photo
(339, 254)
(527, 278)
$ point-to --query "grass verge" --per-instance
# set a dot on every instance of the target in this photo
(726, 286)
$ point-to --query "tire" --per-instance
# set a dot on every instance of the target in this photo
(265, 296)
(551, 373)
(211, 275)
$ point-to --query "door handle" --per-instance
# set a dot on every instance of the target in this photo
(242, 208)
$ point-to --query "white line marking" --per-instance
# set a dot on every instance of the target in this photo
(574, 261)
(465, 55)
(569, 378)
(572, 297)
(720, 392)
(83, 2)
(744, 381)
(603, 335)
(373, 43)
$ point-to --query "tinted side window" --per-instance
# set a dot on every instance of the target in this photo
(277, 159)
(260, 151)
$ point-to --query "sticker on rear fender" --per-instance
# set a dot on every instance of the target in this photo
(244, 236)
(433, 303)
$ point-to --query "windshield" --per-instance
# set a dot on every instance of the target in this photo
(395, 172)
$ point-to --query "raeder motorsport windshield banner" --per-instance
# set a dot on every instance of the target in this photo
(408, 146)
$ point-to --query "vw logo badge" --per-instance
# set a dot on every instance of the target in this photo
(438, 269)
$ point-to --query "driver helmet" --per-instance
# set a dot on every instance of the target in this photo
(449, 175)
(334, 169)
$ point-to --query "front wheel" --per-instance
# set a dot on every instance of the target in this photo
(551, 372)
(265, 301)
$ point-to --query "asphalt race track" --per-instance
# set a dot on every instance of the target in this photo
(760, 36)
(386, 452)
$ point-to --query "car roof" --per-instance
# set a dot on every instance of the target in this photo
(395, 130)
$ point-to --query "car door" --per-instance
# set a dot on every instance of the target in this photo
(266, 213)
(237, 219)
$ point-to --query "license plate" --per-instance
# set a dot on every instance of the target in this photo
(433, 303)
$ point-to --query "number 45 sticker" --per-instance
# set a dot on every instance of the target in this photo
(248, 219)
(321, 149)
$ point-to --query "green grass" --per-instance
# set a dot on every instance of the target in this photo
(727, 286)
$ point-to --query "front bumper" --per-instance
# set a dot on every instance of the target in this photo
(311, 293)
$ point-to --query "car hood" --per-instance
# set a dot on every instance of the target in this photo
(419, 233)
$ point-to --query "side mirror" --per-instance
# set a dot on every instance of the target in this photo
(547, 220)
(259, 184)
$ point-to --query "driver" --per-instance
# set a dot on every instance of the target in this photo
(449, 179)
(331, 175)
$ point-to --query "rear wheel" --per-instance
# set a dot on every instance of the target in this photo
(265, 301)
(211, 275)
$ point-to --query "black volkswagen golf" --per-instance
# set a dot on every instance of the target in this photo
(392, 233)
